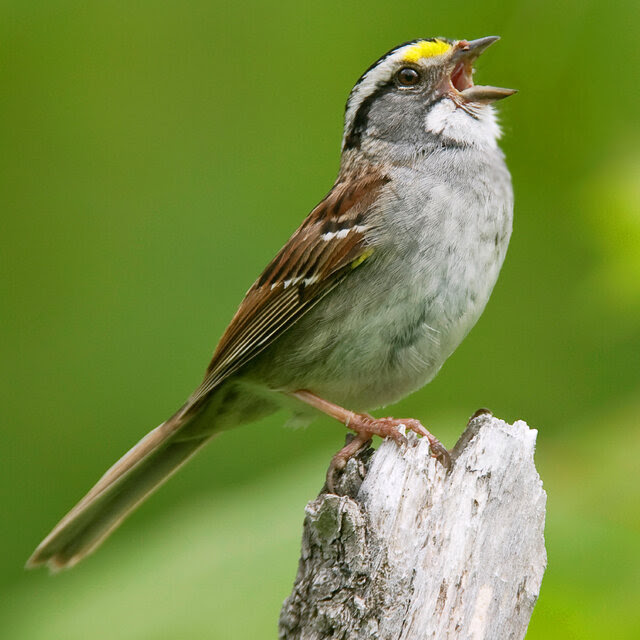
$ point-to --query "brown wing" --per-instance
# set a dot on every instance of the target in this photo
(326, 247)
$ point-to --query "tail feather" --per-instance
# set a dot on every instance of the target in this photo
(120, 490)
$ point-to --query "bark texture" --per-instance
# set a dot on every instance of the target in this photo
(409, 550)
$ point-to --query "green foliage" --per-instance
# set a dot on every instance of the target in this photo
(156, 155)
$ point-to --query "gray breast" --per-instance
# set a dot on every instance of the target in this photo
(386, 330)
(458, 220)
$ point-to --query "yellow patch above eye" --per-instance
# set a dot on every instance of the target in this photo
(426, 49)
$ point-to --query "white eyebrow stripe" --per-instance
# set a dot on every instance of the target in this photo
(375, 77)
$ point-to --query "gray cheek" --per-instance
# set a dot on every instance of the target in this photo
(398, 118)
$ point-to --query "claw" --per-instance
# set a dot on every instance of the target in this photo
(440, 453)
(438, 450)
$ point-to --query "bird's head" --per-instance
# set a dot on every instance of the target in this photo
(423, 88)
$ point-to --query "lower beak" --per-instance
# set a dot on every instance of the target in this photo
(464, 56)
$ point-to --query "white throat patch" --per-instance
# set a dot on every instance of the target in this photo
(446, 119)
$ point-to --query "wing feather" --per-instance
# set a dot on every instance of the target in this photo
(323, 251)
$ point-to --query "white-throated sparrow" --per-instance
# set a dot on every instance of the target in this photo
(369, 296)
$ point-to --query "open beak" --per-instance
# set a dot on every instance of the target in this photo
(461, 80)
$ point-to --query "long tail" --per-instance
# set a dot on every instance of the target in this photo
(120, 490)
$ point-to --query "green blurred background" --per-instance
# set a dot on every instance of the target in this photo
(154, 157)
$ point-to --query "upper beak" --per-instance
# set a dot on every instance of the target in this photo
(463, 57)
(472, 49)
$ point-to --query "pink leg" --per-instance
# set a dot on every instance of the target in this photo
(365, 426)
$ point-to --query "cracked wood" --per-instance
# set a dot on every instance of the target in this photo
(408, 551)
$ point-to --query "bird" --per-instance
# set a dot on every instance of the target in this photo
(367, 298)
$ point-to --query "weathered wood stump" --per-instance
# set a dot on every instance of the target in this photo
(406, 550)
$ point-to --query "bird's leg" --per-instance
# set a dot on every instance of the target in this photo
(366, 426)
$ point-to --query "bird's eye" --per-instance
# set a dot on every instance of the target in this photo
(407, 77)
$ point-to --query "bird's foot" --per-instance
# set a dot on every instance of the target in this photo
(438, 450)
(366, 426)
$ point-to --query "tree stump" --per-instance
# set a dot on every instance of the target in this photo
(406, 550)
